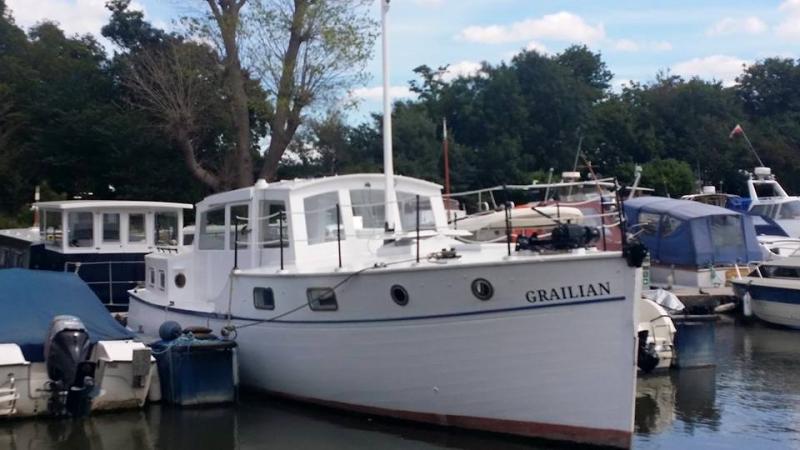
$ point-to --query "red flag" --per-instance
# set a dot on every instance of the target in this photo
(737, 130)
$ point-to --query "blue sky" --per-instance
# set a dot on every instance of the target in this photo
(710, 39)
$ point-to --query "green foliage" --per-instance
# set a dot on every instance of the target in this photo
(669, 177)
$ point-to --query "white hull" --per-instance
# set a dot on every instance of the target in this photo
(555, 368)
(778, 313)
(773, 300)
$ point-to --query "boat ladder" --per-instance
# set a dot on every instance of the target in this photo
(9, 397)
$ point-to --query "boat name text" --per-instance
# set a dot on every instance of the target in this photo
(568, 292)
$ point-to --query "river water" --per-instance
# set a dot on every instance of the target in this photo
(751, 400)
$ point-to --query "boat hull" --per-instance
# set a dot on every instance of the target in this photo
(779, 304)
(519, 363)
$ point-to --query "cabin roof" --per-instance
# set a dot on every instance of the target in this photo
(65, 205)
(681, 209)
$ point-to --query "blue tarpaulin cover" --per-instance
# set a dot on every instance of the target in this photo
(31, 298)
(684, 232)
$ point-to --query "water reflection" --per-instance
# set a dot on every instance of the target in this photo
(750, 400)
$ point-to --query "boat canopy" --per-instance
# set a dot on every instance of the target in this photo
(31, 298)
(685, 232)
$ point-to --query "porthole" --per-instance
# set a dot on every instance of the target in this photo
(180, 280)
(399, 294)
(263, 298)
(322, 299)
(482, 289)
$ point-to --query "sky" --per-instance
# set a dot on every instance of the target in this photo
(711, 39)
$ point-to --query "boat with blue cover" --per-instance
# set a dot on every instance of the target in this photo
(61, 352)
(691, 243)
(103, 241)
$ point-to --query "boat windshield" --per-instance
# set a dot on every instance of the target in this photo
(789, 210)
(779, 272)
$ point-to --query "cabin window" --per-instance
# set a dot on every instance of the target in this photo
(166, 229)
(407, 204)
(162, 280)
(240, 215)
(368, 209)
(322, 299)
(263, 298)
(320, 211)
(152, 277)
(668, 225)
(111, 228)
(212, 229)
(52, 226)
(136, 228)
(648, 223)
(727, 234)
(269, 224)
(764, 210)
(80, 228)
(790, 210)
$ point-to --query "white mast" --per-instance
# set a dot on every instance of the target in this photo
(390, 198)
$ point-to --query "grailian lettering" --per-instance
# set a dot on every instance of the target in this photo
(588, 290)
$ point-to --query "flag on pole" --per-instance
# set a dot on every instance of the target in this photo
(737, 130)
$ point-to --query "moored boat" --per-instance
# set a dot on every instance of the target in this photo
(772, 291)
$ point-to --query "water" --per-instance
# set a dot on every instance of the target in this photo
(750, 400)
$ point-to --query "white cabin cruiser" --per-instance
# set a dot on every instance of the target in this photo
(329, 308)
(103, 241)
(769, 200)
(772, 291)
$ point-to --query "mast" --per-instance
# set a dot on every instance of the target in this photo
(390, 198)
(446, 166)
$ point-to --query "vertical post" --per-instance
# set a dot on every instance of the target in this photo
(603, 221)
(508, 226)
(110, 285)
(390, 197)
(622, 225)
(235, 242)
(280, 235)
(418, 228)
(446, 166)
(339, 233)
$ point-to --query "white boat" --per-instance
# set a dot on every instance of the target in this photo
(65, 365)
(769, 200)
(103, 241)
(772, 291)
(468, 335)
(656, 320)
(491, 225)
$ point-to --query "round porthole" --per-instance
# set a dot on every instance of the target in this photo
(399, 295)
(180, 280)
(482, 289)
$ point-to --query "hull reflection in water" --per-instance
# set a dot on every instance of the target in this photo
(253, 424)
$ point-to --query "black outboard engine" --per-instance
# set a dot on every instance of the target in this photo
(66, 354)
(564, 236)
(647, 356)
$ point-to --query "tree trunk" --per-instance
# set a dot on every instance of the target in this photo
(199, 172)
(227, 17)
(287, 112)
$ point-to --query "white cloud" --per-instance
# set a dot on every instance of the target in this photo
(461, 69)
(789, 28)
(627, 45)
(534, 46)
(74, 16)
(729, 25)
(561, 26)
(718, 67)
(376, 92)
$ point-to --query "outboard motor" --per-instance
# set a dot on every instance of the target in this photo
(564, 236)
(647, 356)
(66, 354)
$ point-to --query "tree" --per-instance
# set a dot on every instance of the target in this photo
(668, 177)
(306, 53)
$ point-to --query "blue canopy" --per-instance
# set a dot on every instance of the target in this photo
(31, 298)
(684, 232)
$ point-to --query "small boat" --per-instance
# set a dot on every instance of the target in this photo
(768, 199)
(660, 338)
(772, 291)
(692, 244)
(492, 225)
(103, 241)
(61, 352)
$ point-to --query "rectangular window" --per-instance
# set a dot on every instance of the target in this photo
(648, 222)
(269, 224)
(152, 277)
(240, 216)
(368, 209)
(162, 280)
(407, 204)
(212, 229)
(53, 233)
(263, 298)
(136, 229)
(320, 213)
(166, 229)
(111, 228)
(322, 299)
(80, 229)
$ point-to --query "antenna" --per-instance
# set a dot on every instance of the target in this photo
(390, 198)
